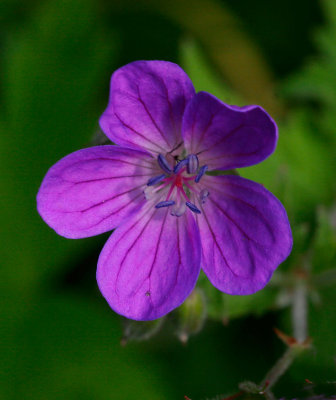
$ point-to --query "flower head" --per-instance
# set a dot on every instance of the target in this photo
(172, 217)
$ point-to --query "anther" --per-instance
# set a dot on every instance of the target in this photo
(180, 165)
(201, 172)
(155, 180)
(192, 165)
(204, 195)
(166, 203)
(192, 207)
(164, 164)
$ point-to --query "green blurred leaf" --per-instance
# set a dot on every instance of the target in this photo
(324, 244)
(224, 40)
(223, 307)
(254, 304)
(317, 80)
(68, 349)
(300, 172)
(319, 365)
(51, 84)
(203, 75)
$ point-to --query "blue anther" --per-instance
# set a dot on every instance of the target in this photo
(192, 207)
(201, 172)
(204, 195)
(166, 203)
(180, 165)
(192, 165)
(164, 163)
(155, 180)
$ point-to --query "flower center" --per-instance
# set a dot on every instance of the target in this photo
(177, 184)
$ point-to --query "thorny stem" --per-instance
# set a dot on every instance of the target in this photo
(296, 345)
(299, 344)
(279, 368)
(234, 396)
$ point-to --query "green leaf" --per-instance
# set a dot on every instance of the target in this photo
(51, 86)
(317, 80)
(319, 365)
(203, 75)
(300, 172)
(223, 307)
(324, 243)
(69, 349)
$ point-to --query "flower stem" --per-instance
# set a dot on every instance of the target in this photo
(234, 396)
(300, 341)
(300, 311)
(295, 345)
(279, 368)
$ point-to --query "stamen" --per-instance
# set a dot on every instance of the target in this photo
(150, 191)
(204, 195)
(162, 161)
(178, 209)
(192, 165)
(193, 208)
(191, 189)
(180, 165)
(165, 204)
(201, 172)
(181, 190)
(172, 187)
(155, 180)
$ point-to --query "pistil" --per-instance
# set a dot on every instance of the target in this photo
(176, 178)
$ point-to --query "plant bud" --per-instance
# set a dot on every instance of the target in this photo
(191, 315)
(140, 330)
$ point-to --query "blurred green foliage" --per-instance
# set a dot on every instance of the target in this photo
(59, 339)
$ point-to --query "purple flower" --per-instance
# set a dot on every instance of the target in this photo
(155, 185)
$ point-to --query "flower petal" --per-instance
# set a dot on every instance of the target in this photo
(245, 234)
(150, 264)
(227, 137)
(146, 105)
(93, 190)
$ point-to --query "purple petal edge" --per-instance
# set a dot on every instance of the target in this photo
(150, 264)
(227, 137)
(245, 234)
(146, 105)
(93, 190)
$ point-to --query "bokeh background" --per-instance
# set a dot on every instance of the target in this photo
(59, 339)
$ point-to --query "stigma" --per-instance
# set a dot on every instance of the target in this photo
(177, 183)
